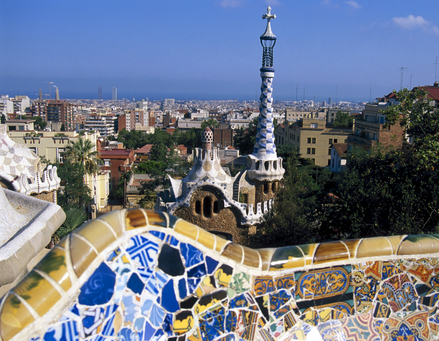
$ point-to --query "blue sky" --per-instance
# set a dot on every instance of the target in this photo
(187, 49)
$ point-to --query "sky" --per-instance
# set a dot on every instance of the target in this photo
(210, 49)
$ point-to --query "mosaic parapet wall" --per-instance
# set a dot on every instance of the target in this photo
(144, 275)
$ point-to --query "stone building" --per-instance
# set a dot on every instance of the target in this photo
(209, 196)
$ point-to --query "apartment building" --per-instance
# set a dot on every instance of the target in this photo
(312, 138)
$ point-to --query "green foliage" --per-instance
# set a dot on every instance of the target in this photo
(158, 152)
(39, 123)
(245, 139)
(74, 192)
(211, 123)
(421, 122)
(75, 217)
(2, 119)
(82, 151)
(63, 127)
(343, 120)
(151, 167)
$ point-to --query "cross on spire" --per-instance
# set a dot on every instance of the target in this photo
(268, 15)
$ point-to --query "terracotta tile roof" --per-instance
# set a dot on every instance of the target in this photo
(144, 150)
(341, 148)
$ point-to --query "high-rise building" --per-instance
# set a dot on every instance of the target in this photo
(114, 94)
(99, 93)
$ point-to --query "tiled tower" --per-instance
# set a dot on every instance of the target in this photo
(263, 164)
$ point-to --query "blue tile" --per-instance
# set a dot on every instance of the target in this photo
(99, 288)
(167, 324)
(192, 284)
(191, 255)
(135, 284)
(211, 265)
(143, 250)
(158, 234)
(182, 288)
(169, 301)
(197, 271)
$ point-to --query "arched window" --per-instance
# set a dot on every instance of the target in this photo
(266, 164)
(266, 188)
(207, 207)
(198, 207)
(216, 207)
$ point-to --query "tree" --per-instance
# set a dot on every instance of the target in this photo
(151, 167)
(245, 139)
(74, 192)
(292, 219)
(39, 123)
(82, 151)
(158, 152)
(343, 120)
(421, 122)
(211, 123)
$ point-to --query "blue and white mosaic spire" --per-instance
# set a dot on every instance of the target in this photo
(264, 150)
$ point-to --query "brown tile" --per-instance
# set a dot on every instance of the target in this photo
(266, 255)
(135, 219)
(186, 229)
(352, 246)
(330, 252)
(234, 252)
(98, 234)
(156, 218)
(251, 257)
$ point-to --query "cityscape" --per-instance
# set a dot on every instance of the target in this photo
(148, 194)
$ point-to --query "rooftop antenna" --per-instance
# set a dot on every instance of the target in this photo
(402, 74)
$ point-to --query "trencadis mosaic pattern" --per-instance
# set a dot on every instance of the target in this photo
(143, 275)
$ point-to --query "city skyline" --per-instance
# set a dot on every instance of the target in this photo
(346, 50)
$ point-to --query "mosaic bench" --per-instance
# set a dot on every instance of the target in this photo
(144, 275)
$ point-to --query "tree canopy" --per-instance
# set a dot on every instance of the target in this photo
(83, 152)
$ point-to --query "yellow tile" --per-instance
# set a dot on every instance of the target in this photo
(156, 218)
(395, 241)
(288, 257)
(220, 243)
(98, 234)
(81, 254)
(115, 220)
(135, 219)
(186, 229)
(38, 292)
(234, 252)
(206, 238)
(266, 255)
(251, 257)
(352, 246)
(374, 247)
(183, 322)
(420, 244)
(308, 250)
(13, 318)
(330, 252)
(62, 243)
(54, 264)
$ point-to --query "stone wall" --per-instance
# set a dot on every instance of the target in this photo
(144, 275)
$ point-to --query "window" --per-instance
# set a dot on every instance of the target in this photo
(329, 162)
(330, 141)
(374, 137)
(308, 150)
(207, 207)
(215, 207)
(59, 155)
(313, 151)
(329, 151)
(309, 139)
(335, 140)
(314, 140)
(314, 125)
(266, 188)
(198, 207)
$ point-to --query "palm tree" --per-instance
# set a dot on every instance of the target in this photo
(82, 151)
